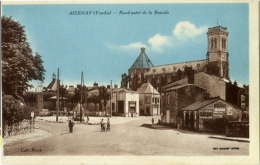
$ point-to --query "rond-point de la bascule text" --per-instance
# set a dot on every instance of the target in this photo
(118, 12)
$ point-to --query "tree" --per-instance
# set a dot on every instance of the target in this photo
(62, 92)
(103, 95)
(19, 66)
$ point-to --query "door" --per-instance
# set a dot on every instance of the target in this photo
(147, 112)
(121, 106)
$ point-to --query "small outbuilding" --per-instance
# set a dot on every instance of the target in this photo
(195, 115)
(125, 103)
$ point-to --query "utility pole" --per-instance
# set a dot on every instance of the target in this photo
(58, 96)
(110, 98)
(81, 89)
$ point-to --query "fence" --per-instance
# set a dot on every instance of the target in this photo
(23, 127)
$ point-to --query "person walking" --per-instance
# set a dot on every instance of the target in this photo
(152, 120)
(102, 124)
(71, 125)
(108, 124)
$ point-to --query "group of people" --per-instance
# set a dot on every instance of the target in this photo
(105, 126)
(158, 123)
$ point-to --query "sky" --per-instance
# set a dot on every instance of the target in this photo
(105, 41)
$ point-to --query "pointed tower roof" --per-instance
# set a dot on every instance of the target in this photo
(142, 61)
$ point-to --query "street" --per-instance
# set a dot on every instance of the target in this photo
(128, 136)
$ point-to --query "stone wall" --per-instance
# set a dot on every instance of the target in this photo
(215, 86)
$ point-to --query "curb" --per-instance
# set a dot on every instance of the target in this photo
(230, 139)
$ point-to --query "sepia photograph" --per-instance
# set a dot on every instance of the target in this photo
(129, 83)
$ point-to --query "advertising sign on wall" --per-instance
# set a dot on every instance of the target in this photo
(220, 107)
(230, 111)
(218, 114)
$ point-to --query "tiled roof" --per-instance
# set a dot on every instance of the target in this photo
(142, 61)
(200, 104)
(52, 86)
(169, 68)
(123, 90)
(147, 88)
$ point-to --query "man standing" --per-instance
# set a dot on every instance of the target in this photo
(71, 124)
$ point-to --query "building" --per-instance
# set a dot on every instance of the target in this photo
(149, 100)
(177, 97)
(208, 109)
(216, 63)
(125, 102)
(218, 87)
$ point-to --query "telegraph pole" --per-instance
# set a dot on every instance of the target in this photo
(58, 96)
(81, 89)
(110, 98)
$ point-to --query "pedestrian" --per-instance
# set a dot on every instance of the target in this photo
(159, 122)
(71, 125)
(108, 124)
(87, 119)
(102, 124)
(9, 129)
(152, 120)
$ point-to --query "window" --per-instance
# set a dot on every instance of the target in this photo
(212, 43)
(215, 42)
(121, 96)
(153, 100)
(147, 100)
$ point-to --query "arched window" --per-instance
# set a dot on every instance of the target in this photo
(211, 43)
(215, 42)
(224, 43)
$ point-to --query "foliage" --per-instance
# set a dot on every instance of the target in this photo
(77, 95)
(217, 125)
(93, 99)
(62, 93)
(103, 95)
(13, 110)
(19, 66)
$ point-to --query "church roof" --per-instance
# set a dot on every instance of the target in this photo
(169, 68)
(217, 28)
(142, 61)
(147, 88)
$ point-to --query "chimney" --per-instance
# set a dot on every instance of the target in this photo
(235, 83)
(95, 84)
(206, 96)
(115, 86)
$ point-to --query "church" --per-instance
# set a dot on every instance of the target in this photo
(199, 83)
(216, 63)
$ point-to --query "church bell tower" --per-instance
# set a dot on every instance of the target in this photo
(217, 55)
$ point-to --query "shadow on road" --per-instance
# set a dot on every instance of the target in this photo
(146, 126)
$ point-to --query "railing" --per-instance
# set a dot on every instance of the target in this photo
(23, 127)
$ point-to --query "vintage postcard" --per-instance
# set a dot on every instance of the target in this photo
(164, 82)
